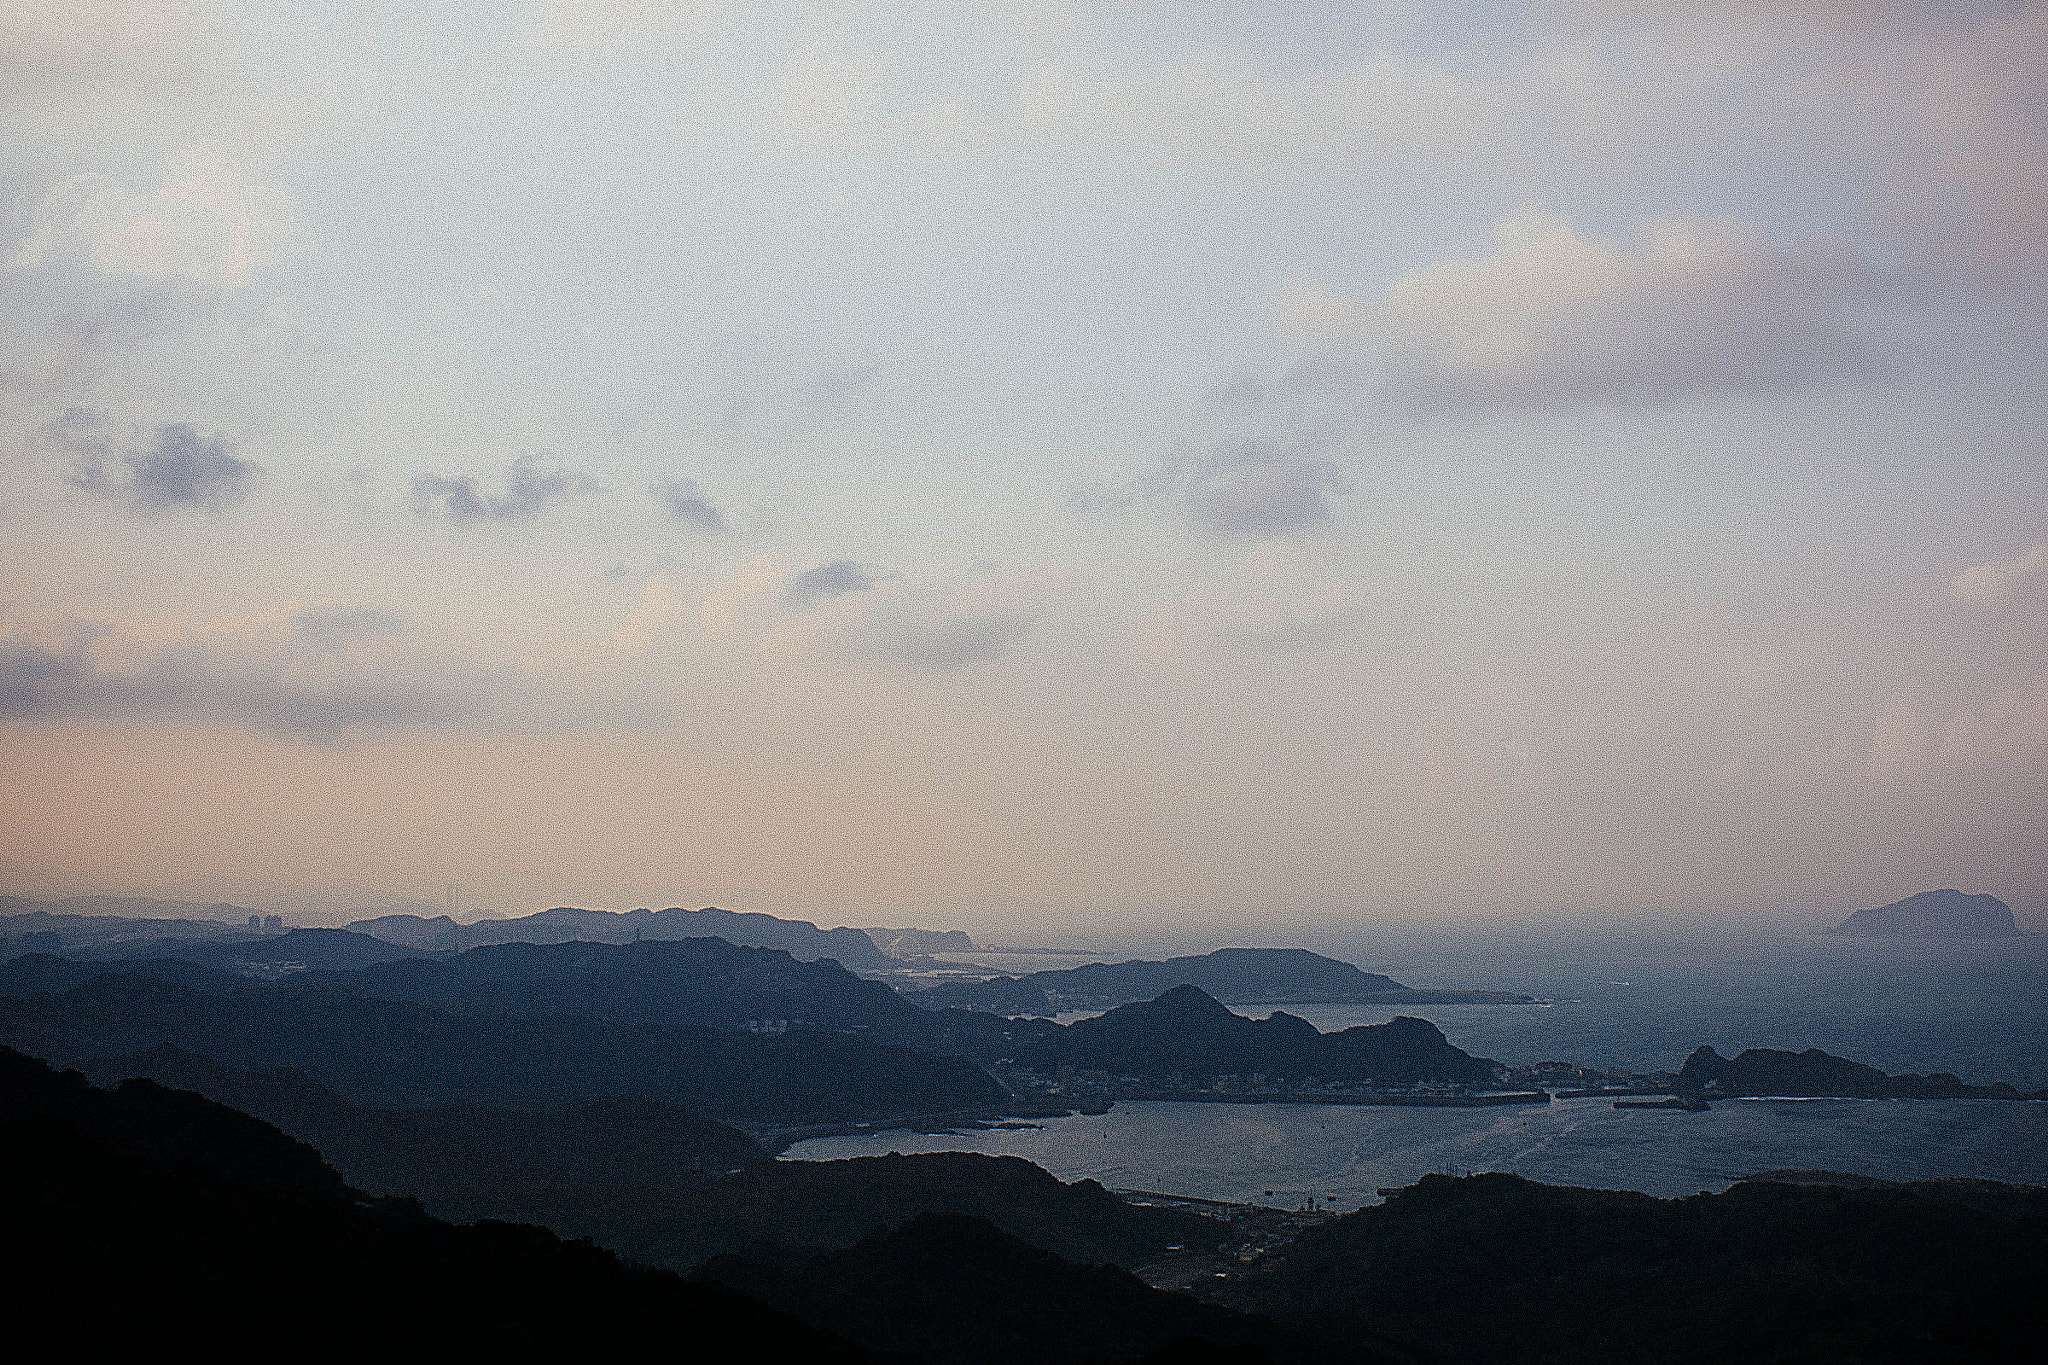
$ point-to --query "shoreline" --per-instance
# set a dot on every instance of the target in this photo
(1479, 1101)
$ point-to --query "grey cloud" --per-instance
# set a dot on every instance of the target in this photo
(1109, 496)
(836, 386)
(954, 642)
(334, 626)
(686, 505)
(814, 586)
(529, 490)
(1250, 493)
(180, 468)
(1262, 496)
(80, 432)
(57, 680)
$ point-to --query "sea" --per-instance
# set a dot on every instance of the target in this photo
(1638, 1002)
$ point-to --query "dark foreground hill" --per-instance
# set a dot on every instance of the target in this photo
(1233, 975)
(395, 1053)
(784, 1213)
(567, 923)
(146, 1222)
(1495, 1268)
(640, 1177)
(956, 1290)
(1936, 915)
(1769, 1071)
(149, 1223)
(420, 1152)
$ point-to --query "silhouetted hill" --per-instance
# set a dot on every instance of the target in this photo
(1768, 1071)
(82, 922)
(1934, 914)
(43, 974)
(390, 1052)
(147, 1223)
(1185, 1030)
(786, 1212)
(170, 1127)
(418, 1152)
(956, 1289)
(1495, 1268)
(1235, 975)
(307, 949)
(799, 938)
(704, 981)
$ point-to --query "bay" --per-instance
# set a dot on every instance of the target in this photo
(1288, 1154)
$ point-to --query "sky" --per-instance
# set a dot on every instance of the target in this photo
(1039, 468)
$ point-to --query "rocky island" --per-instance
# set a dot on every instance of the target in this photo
(1934, 915)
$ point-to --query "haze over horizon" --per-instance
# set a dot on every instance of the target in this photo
(1121, 468)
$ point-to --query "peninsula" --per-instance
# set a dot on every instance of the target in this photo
(1236, 976)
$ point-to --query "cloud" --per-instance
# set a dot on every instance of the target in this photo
(209, 226)
(180, 468)
(1690, 307)
(813, 587)
(251, 674)
(1260, 496)
(976, 623)
(78, 431)
(906, 622)
(840, 612)
(528, 491)
(1248, 493)
(687, 506)
(340, 626)
(2001, 580)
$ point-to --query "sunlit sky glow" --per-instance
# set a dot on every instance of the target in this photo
(1036, 466)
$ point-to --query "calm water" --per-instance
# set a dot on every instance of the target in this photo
(1240, 1151)
(1640, 1002)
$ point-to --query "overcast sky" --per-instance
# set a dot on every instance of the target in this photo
(1027, 467)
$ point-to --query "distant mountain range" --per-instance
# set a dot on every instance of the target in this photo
(1934, 915)
(566, 924)
(120, 926)
(1232, 975)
